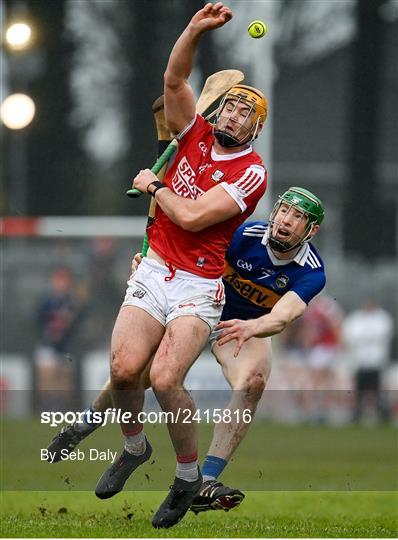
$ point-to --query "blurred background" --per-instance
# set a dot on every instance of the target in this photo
(78, 78)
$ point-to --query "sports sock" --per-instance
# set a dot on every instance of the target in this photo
(212, 467)
(135, 442)
(187, 467)
(89, 422)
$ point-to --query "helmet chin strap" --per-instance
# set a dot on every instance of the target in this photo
(226, 140)
(229, 141)
(279, 245)
(284, 247)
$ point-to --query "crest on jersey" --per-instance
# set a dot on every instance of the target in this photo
(282, 281)
(217, 175)
(139, 293)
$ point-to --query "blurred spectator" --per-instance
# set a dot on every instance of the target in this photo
(368, 333)
(311, 352)
(290, 339)
(57, 315)
(104, 293)
(101, 262)
(321, 339)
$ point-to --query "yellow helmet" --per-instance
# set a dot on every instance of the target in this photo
(257, 102)
(252, 96)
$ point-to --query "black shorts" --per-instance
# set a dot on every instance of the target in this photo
(368, 379)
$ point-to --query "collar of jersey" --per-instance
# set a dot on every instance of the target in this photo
(300, 258)
(227, 157)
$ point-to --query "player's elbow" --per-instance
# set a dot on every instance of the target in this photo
(195, 227)
(172, 83)
(280, 325)
(283, 318)
(275, 324)
(190, 222)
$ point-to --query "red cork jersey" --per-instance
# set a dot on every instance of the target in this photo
(195, 170)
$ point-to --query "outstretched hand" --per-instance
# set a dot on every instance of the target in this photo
(236, 329)
(211, 16)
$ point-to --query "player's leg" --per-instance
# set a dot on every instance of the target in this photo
(70, 436)
(247, 374)
(135, 338)
(103, 400)
(170, 365)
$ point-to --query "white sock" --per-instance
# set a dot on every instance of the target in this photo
(84, 426)
(187, 471)
(135, 444)
(206, 478)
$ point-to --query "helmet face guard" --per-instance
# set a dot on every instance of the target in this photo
(312, 210)
(257, 105)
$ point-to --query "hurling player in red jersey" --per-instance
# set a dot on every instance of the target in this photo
(213, 185)
(272, 272)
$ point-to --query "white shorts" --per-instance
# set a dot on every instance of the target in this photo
(321, 357)
(184, 295)
(213, 337)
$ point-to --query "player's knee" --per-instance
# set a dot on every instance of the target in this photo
(163, 382)
(123, 369)
(253, 387)
(123, 375)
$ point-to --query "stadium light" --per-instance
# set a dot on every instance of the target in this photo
(17, 111)
(18, 36)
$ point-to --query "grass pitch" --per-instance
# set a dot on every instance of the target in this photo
(262, 514)
(297, 481)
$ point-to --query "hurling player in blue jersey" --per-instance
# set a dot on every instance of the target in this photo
(272, 272)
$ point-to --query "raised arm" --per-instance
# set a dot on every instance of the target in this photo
(179, 100)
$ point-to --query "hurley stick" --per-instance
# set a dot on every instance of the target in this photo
(164, 139)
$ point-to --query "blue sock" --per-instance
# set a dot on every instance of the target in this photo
(212, 467)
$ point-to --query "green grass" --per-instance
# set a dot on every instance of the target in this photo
(272, 457)
(300, 481)
(262, 514)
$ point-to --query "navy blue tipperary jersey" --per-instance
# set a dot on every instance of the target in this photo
(255, 279)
